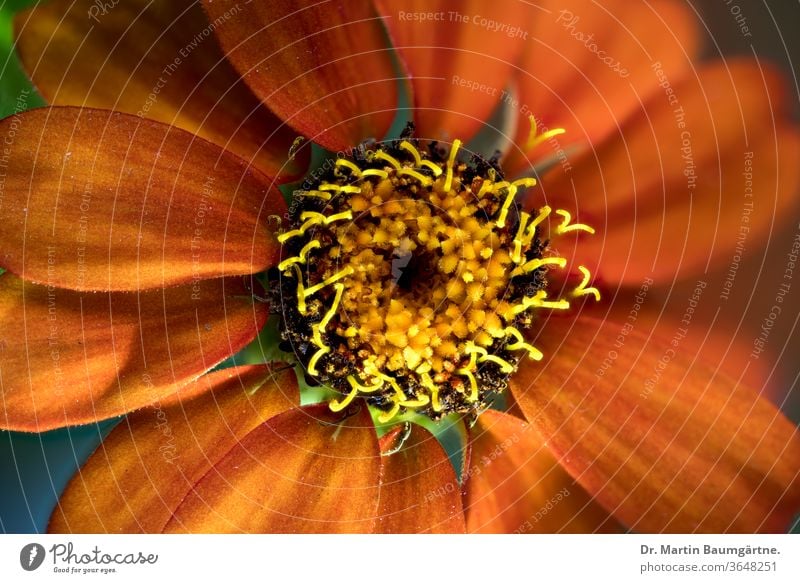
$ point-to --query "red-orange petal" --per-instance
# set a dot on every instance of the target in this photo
(458, 57)
(419, 488)
(69, 358)
(515, 485)
(717, 338)
(673, 192)
(154, 59)
(324, 68)
(97, 200)
(306, 470)
(588, 66)
(143, 470)
(664, 442)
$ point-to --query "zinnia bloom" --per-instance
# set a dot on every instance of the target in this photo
(411, 278)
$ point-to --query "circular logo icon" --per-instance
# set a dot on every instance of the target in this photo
(31, 556)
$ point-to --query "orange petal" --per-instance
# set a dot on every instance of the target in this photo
(674, 193)
(419, 489)
(587, 67)
(514, 485)
(154, 59)
(145, 467)
(459, 55)
(656, 436)
(306, 470)
(704, 329)
(69, 358)
(326, 70)
(96, 200)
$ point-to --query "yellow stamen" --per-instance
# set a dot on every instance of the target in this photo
(320, 218)
(350, 165)
(409, 147)
(347, 188)
(387, 416)
(486, 186)
(381, 155)
(566, 227)
(301, 294)
(539, 301)
(319, 329)
(516, 254)
(428, 383)
(424, 180)
(511, 192)
(310, 222)
(544, 212)
(534, 264)
(582, 290)
(448, 181)
(334, 278)
(369, 368)
(473, 395)
(382, 174)
(337, 406)
(313, 193)
(339, 287)
(534, 139)
(312, 363)
(420, 401)
(520, 344)
(364, 388)
(314, 244)
(473, 350)
(504, 365)
(313, 218)
(298, 141)
(525, 183)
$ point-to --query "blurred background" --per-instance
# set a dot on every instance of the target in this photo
(34, 468)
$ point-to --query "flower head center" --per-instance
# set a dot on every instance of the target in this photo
(407, 277)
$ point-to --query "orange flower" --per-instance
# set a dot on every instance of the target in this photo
(131, 237)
